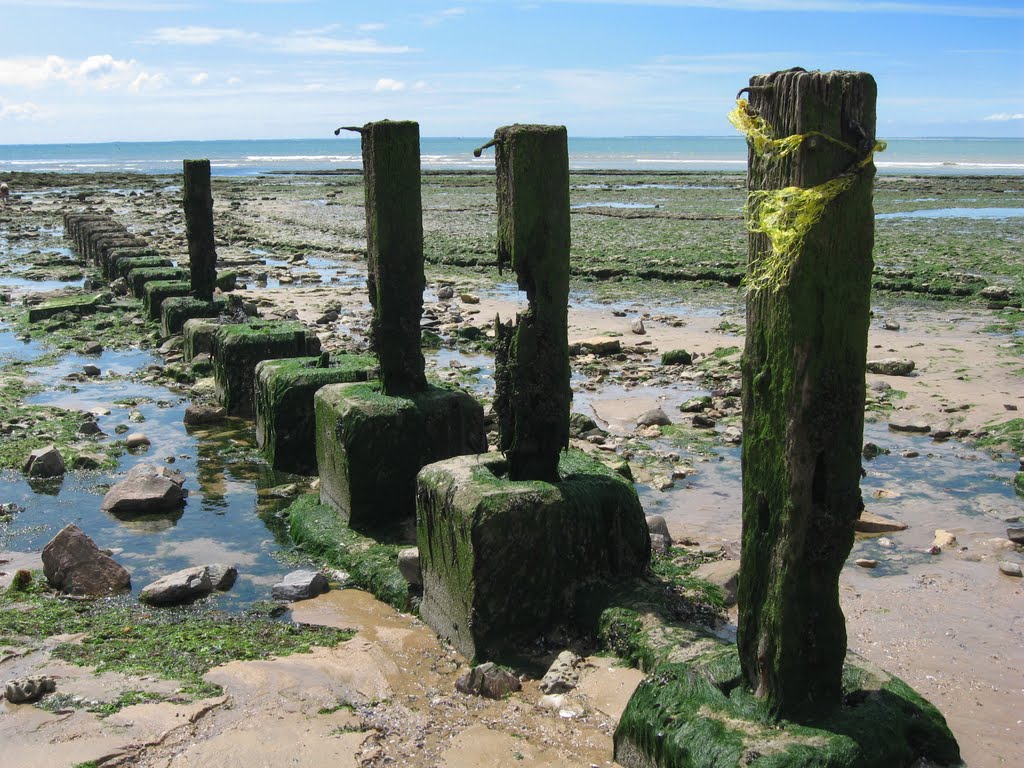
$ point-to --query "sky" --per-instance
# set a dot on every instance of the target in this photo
(156, 70)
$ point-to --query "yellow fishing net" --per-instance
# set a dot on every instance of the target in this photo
(785, 216)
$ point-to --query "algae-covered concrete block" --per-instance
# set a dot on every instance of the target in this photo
(177, 310)
(369, 446)
(700, 714)
(112, 256)
(502, 560)
(155, 291)
(239, 347)
(199, 333)
(285, 420)
(138, 277)
(126, 264)
(80, 305)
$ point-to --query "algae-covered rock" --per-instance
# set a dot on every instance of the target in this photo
(126, 264)
(700, 714)
(138, 277)
(285, 419)
(80, 305)
(198, 336)
(503, 560)
(239, 347)
(370, 446)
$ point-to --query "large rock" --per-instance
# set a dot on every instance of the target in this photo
(28, 689)
(189, 584)
(300, 585)
(488, 680)
(891, 366)
(869, 522)
(44, 462)
(562, 675)
(723, 574)
(146, 488)
(73, 563)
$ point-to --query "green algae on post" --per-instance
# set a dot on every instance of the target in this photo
(532, 393)
(803, 402)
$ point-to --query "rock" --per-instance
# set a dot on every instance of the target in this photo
(91, 370)
(919, 427)
(92, 348)
(44, 462)
(656, 525)
(562, 675)
(891, 366)
(660, 544)
(300, 585)
(146, 488)
(89, 427)
(285, 491)
(1016, 535)
(732, 435)
(445, 292)
(638, 327)
(943, 539)
(1010, 569)
(409, 565)
(488, 680)
(700, 421)
(469, 298)
(676, 357)
(696, 404)
(910, 454)
(865, 562)
(597, 345)
(869, 522)
(28, 689)
(890, 325)
(579, 423)
(87, 461)
(724, 574)
(73, 563)
(136, 440)
(653, 418)
(995, 293)
(204, 414)
(188, 584)
(136, 416)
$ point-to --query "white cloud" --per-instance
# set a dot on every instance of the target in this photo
(147, 82)
(1003, 117)
(200, 78)
(446, 15)
(318, 44)
(373, 26)
(194, 35)
(26, 110)
(387, 84)
(825, 6)
(100, 72)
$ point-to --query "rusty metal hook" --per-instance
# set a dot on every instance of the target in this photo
(357, 129)
(479, 150)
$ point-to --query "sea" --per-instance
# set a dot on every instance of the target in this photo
(937, 156)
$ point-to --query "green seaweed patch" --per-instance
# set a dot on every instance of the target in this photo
(700, 713)
(372, 565)
(1007, 437)
(176, 644)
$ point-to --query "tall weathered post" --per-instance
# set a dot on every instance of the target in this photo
(533, 396)
(507, 542)
(394, 251)
(372, 438)
(803, 380)
(198, 203)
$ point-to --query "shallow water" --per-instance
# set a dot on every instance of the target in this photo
(955, 213)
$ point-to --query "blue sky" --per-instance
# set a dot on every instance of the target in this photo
(120, 70)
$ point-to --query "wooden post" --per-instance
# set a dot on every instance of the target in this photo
(803, 397)
(394, 248)
(198, 204)
(532, 395)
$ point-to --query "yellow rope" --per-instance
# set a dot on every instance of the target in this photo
(785, 216)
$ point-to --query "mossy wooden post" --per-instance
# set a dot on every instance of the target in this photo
(198, 204)
(803, 398)
(532, 356)
(394, 247)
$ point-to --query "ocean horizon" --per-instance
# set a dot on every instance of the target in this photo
(932, 156)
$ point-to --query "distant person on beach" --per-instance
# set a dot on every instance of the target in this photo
(5, 192)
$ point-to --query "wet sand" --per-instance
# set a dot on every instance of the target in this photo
(951, 625)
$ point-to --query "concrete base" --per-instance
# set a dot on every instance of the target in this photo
(369, 446)
(239, 347)
(285, 420)
(503, 561)
(138, 277)
(700, 714)
(199, 334)
(177, 310)
(156, 291)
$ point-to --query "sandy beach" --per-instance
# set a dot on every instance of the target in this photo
(656, 262)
